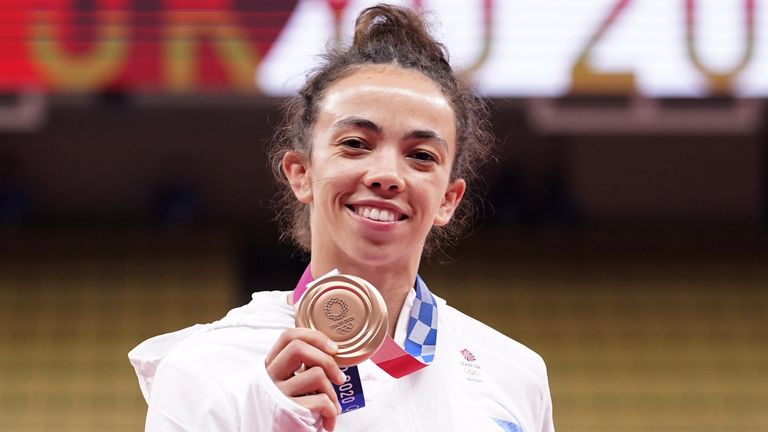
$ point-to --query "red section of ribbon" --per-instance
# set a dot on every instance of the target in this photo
(400, 366)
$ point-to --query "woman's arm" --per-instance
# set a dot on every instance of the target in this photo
(265, 396)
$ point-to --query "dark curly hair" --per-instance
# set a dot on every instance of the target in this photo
(384, 34)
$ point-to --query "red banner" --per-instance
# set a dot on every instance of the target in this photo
(66, 46)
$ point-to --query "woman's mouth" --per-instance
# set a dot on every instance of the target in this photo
(377, 214)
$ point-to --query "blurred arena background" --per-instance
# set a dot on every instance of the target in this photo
(624, 235)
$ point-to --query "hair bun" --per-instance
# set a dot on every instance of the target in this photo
(385, 31)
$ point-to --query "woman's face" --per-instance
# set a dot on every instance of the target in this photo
(378, 177)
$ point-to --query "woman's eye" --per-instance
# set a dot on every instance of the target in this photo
(424, 156)
(353, 143)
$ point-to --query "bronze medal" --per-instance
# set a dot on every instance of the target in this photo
(350, 311)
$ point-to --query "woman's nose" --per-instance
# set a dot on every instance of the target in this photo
(384, 174)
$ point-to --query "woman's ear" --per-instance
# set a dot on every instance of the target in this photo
(451, 200)
(296, 170)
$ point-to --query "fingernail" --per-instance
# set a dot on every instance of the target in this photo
(338, 409)
(341, 376)
(332, 345)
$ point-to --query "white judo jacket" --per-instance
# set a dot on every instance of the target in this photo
(211, 377)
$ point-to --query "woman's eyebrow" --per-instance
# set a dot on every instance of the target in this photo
(357, 122)
(363, 123)
(426, 135)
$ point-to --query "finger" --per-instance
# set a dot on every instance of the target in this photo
(321, 404)
(298, 352)
(329, 423)
(311, 381)
(312, 337)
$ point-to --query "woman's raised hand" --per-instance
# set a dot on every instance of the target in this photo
(301, 365)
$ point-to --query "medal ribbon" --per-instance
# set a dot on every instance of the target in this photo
(420, 343)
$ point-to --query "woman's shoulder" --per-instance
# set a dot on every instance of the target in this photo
(221, 348)
(267, 310)
(505, 380)
(497, 349)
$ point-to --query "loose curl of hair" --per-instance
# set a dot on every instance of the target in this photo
(384, 34)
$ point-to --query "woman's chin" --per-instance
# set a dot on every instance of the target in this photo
(376, 255)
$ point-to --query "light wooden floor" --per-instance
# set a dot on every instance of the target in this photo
(633, 342)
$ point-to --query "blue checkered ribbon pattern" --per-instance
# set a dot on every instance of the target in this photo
(421, 333)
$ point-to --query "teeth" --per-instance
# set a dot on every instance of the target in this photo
(376, 214)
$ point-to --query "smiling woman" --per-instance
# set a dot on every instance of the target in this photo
(383, 145)
(387, 36)
(375, 156)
